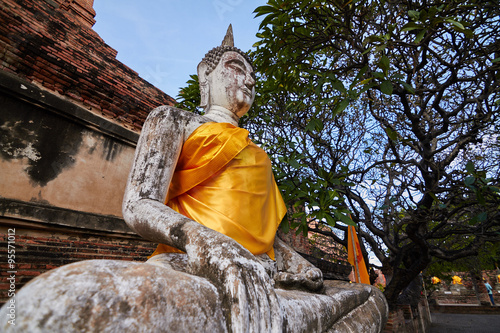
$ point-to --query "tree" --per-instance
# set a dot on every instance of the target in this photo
(387, 110)
(384, 113)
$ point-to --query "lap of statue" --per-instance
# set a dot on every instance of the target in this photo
(160, 296)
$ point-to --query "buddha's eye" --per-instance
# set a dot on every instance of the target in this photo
(237, 66)
(238, 69)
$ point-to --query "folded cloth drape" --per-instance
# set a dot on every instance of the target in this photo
(225, 182)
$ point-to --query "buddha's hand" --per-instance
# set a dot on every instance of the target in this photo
(311, 280)
(295, 272)
(247, 291)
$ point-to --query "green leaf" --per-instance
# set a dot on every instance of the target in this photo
(470, 167)
(365, 81)
(434, 197)
(469, 181)
(420, 36)
(480, 198)
(344, 219)
(481, 217)
(386, 87)
(330, 220)
(381, 47)
(262, 10)
(285, 225)
(455, 23)
(338, 85)
(411, 26)
(494, 189)
(372, 39)
(413, 14)
(384, 64)
(294, 163)
(392, 134)
(408, 87)
(341, 106)
(314, 124)
(267, 20)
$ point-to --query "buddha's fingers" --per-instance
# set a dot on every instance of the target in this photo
(311, 280)
(249, 300)
(255, 306)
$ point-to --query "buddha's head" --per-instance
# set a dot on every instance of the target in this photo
(227, 78)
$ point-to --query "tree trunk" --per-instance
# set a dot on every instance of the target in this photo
(402, 278)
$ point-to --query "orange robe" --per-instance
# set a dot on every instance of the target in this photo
(225, 182)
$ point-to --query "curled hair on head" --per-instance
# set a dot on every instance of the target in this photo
(212, 58)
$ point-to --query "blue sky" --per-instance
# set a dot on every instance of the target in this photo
(164, 40)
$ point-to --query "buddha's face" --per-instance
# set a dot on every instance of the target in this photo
(232, 84)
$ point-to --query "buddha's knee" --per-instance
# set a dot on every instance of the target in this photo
(117, 296)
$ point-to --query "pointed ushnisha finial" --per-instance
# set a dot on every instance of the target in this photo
(228, 39)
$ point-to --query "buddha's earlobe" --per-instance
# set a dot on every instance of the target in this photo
(203, 83)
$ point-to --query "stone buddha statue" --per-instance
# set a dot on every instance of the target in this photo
(203, 191)
(223, 206)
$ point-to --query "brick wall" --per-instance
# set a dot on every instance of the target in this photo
(298, 242)
(315, 244)
(46, 43)
(81, 9)
(328, 258)
(37, 251)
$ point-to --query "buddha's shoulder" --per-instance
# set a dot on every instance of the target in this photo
(170, 114)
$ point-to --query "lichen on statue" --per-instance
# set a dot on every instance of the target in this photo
(203, 190)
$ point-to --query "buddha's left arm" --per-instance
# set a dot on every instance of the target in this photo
(294, 271)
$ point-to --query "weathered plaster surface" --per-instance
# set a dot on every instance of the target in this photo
(49, 159)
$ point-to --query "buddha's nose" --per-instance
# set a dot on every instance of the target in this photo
(250, 80)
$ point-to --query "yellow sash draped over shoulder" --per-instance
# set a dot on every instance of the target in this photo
(225, 182)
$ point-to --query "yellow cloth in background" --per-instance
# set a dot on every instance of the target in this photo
(355, 257)
(225, 182)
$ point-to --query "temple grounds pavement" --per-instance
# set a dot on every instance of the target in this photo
(466, 323)
(466, 319)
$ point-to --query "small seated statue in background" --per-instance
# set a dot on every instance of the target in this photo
(202, 190)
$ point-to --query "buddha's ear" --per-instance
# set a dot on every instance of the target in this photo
(203, 82)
